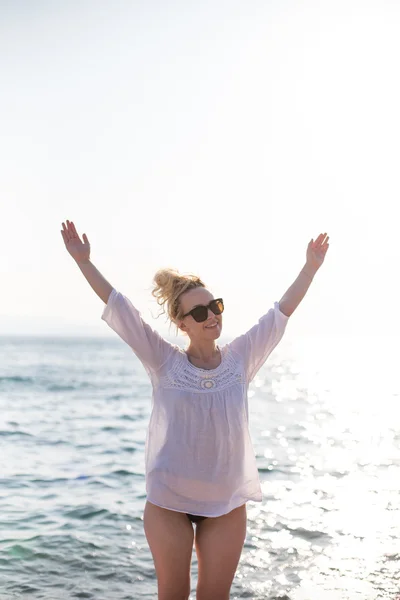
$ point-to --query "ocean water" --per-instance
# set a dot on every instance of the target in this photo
(325, 424)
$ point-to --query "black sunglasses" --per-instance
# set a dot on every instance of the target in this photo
(200, 313)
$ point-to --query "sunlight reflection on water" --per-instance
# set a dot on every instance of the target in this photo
(331, 508)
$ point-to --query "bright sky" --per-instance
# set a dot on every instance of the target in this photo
(216, 137)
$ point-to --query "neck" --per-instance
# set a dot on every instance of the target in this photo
(205, 351)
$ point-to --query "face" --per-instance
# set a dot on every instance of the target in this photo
(211, 328)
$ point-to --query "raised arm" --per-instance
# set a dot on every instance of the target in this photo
(119, 313)
(316, 252)
(80, 252)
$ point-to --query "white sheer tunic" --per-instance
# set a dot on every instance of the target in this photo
(199, 457)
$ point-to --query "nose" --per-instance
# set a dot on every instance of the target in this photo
(211, 315)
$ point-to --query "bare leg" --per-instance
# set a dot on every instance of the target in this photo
(219, 542)
(170, 537)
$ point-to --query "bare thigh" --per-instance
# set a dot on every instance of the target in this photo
(219, 543)
(170, 537)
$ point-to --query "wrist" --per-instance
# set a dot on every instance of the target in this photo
(82, 262)
(309, 271)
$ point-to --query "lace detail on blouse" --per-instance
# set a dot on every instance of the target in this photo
(185, 376)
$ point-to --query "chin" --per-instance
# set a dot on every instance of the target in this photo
(217, 332)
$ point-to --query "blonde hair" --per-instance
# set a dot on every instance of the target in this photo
(169, 284)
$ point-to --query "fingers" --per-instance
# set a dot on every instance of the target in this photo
(321, 239)
(75, 233)
(70, 227)
(66, 233)
(69, 231)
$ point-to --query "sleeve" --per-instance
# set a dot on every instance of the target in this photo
(151, 349)
(256, 345)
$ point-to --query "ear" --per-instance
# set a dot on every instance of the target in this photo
(179, 324)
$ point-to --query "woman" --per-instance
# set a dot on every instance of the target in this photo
(200, 464)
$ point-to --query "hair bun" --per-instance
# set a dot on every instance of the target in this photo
(169, 284)
(164, 277)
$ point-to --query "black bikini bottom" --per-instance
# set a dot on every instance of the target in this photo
(196, 518)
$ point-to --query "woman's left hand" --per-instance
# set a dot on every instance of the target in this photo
(316, 251)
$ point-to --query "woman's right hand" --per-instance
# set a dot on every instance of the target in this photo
(80, 251)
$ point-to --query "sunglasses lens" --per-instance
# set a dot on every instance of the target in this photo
(217, 306)
(200, 313)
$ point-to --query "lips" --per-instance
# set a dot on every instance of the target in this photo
(211, 326)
